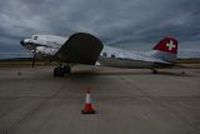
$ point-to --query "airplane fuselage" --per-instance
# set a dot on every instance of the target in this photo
(48, 45)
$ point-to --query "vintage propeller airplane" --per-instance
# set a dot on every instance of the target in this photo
(84, 48)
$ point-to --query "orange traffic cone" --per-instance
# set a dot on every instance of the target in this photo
(88, 108)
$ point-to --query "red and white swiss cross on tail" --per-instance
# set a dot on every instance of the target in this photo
(168, 44)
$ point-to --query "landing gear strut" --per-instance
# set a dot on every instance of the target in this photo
(61, 70)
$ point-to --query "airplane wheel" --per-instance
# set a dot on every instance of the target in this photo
(154, 71)
(61, 71)
(58, 72)
(67, 69)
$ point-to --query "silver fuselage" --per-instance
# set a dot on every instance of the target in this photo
(47, 46)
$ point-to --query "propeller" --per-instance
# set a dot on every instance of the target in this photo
(34, 58)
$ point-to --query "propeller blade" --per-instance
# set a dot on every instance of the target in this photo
(34, 59)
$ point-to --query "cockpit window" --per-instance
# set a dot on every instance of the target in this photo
(35, 37)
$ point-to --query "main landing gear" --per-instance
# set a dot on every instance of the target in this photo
(61, 70)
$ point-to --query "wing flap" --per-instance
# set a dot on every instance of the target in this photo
(80, 48)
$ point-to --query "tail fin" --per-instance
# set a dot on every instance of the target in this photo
(166, 49)
(168, 44)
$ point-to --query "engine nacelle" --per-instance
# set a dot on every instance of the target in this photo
(46, 51)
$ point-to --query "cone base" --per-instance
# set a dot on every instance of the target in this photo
(88, 112)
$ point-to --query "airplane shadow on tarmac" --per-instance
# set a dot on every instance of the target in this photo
(130, 72)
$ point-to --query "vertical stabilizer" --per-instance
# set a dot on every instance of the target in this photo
(166, 49)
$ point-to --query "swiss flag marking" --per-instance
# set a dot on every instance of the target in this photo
(170, 45)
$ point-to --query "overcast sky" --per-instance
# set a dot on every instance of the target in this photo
(132, 24)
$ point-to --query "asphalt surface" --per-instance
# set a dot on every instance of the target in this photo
(134, 101)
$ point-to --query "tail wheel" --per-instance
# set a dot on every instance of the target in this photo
(154, 71)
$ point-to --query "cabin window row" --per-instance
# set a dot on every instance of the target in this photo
(106, 55)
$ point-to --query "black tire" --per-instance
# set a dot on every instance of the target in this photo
(58, 72)
(67, 69)
(155, 71)
(55, 72)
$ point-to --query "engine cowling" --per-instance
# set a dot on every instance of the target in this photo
(46, 51)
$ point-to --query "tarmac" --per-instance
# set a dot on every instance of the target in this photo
(127, 101)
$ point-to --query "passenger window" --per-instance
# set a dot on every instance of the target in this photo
(112, 56)
(35, 38)
(105, 54)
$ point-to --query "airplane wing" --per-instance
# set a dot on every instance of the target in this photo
(80, 48)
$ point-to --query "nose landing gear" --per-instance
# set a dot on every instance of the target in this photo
(61, 70)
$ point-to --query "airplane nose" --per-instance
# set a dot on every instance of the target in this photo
(22, 42)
